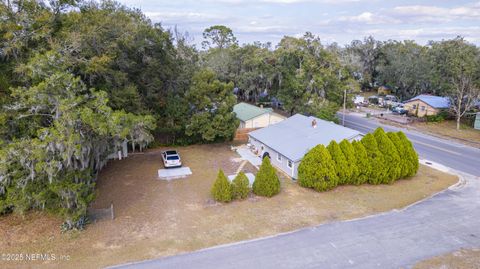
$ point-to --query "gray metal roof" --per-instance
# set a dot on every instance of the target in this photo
(432, 100)
(295, 136)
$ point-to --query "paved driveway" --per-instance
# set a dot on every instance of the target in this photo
(444, 223)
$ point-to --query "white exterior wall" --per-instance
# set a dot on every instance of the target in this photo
(280, 164)
(283, 163)
(263, 120)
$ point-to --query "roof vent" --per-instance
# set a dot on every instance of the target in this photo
(314, 123)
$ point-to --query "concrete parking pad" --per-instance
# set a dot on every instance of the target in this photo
(174, 173)
(250, 176)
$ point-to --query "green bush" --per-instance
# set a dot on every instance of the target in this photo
(341, 166)
(403, 164)
(411, 155)
(391, 158)
(266, 181)
(349, 153)
(378, 173)
(222, 189)
(441, 116)
(240, 186)
(363, 163)
(317, 170)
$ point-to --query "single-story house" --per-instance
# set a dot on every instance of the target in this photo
(426, 105)
(288, 141)
(251, 116)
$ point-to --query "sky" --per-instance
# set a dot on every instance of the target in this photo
(338, 21)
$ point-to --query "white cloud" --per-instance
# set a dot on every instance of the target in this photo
(419, 13)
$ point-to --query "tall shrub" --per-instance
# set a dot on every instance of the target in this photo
(341, 166)
(266, 181)
(391, 159)
(412, 155)
(240, 186)
(404, 163)
(317, 170)
(349, 153)
(222, 189)
(363, 163)
(378, 173)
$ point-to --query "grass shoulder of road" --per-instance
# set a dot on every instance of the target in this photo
(446, 130)
(157, 218)
(461, 259)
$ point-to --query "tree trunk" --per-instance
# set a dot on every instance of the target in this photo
(458, 122)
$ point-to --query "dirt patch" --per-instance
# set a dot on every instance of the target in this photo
(461, 259)
(156, 218)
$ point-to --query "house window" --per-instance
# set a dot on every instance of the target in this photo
(414, 106)
(279, 157)
(290, 164)
(423, 108)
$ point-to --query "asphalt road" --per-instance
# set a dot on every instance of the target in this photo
(448, 153)
(397, 239)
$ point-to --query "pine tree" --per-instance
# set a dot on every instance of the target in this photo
(266, 181)
(240, 186)
(391, 158)
(349, 153)
(222, 189)
(412, 155)
(317, 170)
(363, 163)
(404, 164)
(378, 172)
(341, 166)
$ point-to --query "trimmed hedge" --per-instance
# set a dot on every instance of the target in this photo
(379, 158)
(266, 181)
(378, 172)
(221, 189)
(403, 164)
(343, 169)
(240, 186)
(410, 154)
(349, 153)
(317, 170)
(391, 158)
(363, 163)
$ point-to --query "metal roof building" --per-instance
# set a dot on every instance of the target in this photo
(432, 100)
(288, 141)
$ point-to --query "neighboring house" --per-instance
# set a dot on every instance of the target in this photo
(426, 105)
(288, 141)
(476, 125)
(251, 116)
(384, 90)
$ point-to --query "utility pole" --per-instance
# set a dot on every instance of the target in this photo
(344, 106)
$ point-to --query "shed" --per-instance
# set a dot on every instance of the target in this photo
(251, 116)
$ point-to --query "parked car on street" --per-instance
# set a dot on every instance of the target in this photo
(399, 110)
(171, 158)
